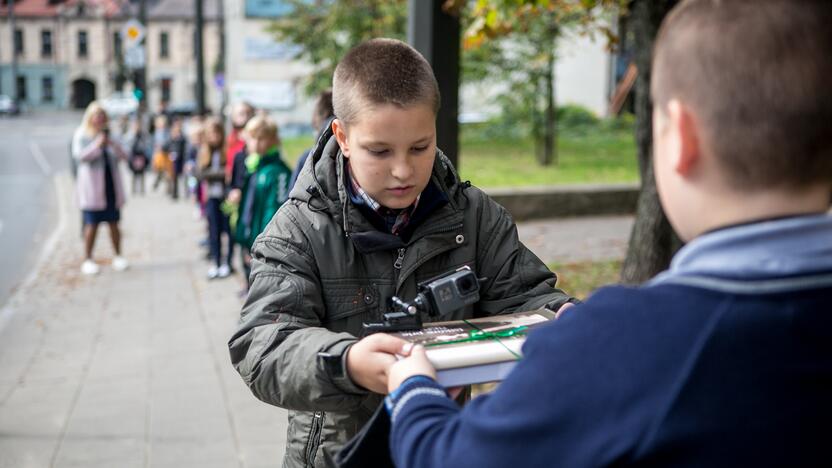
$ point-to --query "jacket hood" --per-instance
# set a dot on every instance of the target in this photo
(321, 180)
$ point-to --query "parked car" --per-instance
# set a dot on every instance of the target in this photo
(120, 103)
(8, 106)
(184, 109)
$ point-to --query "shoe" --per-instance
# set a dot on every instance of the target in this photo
(223, 271)
(213, 272)
(120, 263)
(89, 267)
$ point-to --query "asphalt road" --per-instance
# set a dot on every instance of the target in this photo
(33, 148)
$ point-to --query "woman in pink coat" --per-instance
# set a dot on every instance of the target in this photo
(99, 187)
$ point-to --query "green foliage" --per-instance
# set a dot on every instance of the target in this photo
(573, 116)
(326, 29)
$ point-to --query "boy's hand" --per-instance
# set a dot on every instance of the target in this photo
(234, 196)
(415, 364)
(370, 358)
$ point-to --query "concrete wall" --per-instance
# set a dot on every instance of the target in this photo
(582, 73)
(567, 200)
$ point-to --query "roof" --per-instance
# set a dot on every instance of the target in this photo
(114, 9)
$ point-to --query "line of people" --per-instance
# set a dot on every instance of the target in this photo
(238, 181)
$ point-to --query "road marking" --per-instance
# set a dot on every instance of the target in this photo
(40, 158)
(1, 226)
(18, 297)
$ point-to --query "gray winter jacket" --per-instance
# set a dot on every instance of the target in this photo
(320, 270)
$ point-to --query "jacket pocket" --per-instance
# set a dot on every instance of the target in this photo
(344, 299)
(313, 441)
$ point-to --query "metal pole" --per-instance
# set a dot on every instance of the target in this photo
(200, 60)
(13, 93)
(436, 35)
(140, 76)
(221, 67)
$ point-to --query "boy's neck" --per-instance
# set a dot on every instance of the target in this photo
(743, 208)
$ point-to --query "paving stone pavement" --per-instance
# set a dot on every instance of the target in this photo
(131, 369)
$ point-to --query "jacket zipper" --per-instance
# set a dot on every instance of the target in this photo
(314, 437)
(399, 260)
(422, 260)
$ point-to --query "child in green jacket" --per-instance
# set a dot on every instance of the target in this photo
(265, 189)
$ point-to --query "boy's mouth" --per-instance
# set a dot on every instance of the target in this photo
(400, 190)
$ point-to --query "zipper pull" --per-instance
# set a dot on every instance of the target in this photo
(399, 259)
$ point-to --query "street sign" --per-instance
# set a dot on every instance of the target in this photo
(132, 33)
(134, 57)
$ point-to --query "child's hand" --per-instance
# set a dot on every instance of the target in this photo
(415, 364)
(234, 196)
(369, 359)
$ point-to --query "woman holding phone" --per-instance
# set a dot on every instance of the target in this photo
(99, 187)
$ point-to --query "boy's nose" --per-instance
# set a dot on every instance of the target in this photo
(402, 168)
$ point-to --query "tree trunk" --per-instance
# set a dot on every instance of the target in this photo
(652, 241)
(550, 151)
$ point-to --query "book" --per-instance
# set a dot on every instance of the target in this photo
(479, 350)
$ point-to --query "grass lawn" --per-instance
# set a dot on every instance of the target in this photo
(580, 279)
(593, 156)
(590, 157)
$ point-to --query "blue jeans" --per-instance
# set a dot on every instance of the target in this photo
(218, 225)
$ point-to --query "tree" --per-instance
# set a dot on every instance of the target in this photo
(517, 42)
(325, 30)
(652, 241)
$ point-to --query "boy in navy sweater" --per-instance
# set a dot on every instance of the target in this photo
(726, 358)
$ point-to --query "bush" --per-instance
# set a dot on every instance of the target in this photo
(576, 117)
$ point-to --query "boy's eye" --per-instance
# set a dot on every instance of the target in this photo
(378, 152)
(419, 149)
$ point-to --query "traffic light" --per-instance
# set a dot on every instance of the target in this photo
(138, 85)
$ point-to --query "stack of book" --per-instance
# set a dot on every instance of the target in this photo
(466, 352)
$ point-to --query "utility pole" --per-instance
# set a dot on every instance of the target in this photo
(220, 71)
(140, 76)
(200, 61)
(10, 4)
(436, 34)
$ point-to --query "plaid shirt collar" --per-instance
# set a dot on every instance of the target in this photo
(396, 220)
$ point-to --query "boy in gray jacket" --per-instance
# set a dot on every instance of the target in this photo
(379, 210)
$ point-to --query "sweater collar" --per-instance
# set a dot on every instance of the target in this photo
(793, 246)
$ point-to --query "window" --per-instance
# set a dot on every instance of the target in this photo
(47, 94)
(46, 43)
(165, 85)
(83, 52)
(18, 42)
(164, 45)
(117, 52)
(21, 88)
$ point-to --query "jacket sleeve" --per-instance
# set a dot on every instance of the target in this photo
(515, 279)
(84, 153)
(278, 346)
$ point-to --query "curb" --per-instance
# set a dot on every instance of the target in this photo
(560, 201)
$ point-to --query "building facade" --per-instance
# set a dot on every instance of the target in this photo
(70, 52)
(262, 71)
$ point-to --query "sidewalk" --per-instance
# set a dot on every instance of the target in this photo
(131, 369)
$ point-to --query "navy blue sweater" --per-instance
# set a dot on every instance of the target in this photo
(665, 375)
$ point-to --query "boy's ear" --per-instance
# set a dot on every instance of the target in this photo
(687, 154)
(340, 133)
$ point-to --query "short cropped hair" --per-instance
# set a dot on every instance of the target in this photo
(261, 126)
(756, 74)
(382, 71)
